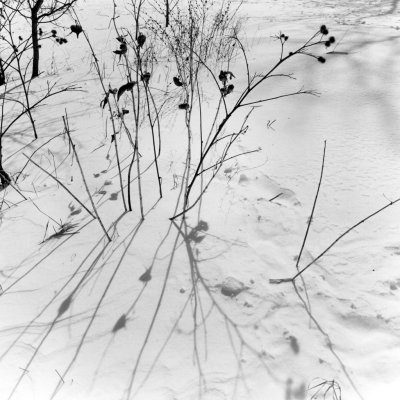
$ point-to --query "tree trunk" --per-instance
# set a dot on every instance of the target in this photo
(35, 42)
(35, 36)
(166, 13)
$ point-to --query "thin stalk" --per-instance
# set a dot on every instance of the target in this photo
(313, 209)
(105, 92)
(159, 179)
(284, 280)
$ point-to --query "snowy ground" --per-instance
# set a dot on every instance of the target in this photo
(269, 341)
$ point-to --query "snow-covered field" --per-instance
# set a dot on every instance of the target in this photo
(77, 323)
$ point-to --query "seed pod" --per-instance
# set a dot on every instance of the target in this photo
(76, 29)
(124, 88)
(177, 81)
(141, 40)
(146, 77)
(324, 30)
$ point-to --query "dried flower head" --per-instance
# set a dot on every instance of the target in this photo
(324, 30)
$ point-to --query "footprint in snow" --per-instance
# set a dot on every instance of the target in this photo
(243, 179)
(394, 249)
(293, 342)
(394, 285)
(292, 392)
(231, 287)
(73, 210)
(114, 196)
(76, 212)
(269, 190)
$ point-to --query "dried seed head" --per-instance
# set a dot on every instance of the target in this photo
(321, 59)
(146, 77)
(76, 29)
(141, 40)
(177, 81)
(324, 30)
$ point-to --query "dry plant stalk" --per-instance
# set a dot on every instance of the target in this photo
(345, 233)
(196, 41)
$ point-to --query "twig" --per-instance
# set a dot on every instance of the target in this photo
(106, 94)
(311, 92)
(229, 158)
(275, 197)
(313, 209)
(344, 234)
(277, 281)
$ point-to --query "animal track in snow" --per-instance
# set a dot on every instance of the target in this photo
(114, 196)
(268, 189)
(231, 287)
(73, 210)
(394, 249)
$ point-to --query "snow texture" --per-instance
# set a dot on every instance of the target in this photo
(85, 320)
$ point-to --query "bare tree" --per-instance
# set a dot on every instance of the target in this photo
(169, 6)
(39, 12)
(13, 71)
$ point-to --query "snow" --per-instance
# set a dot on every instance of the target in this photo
(74, 307)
